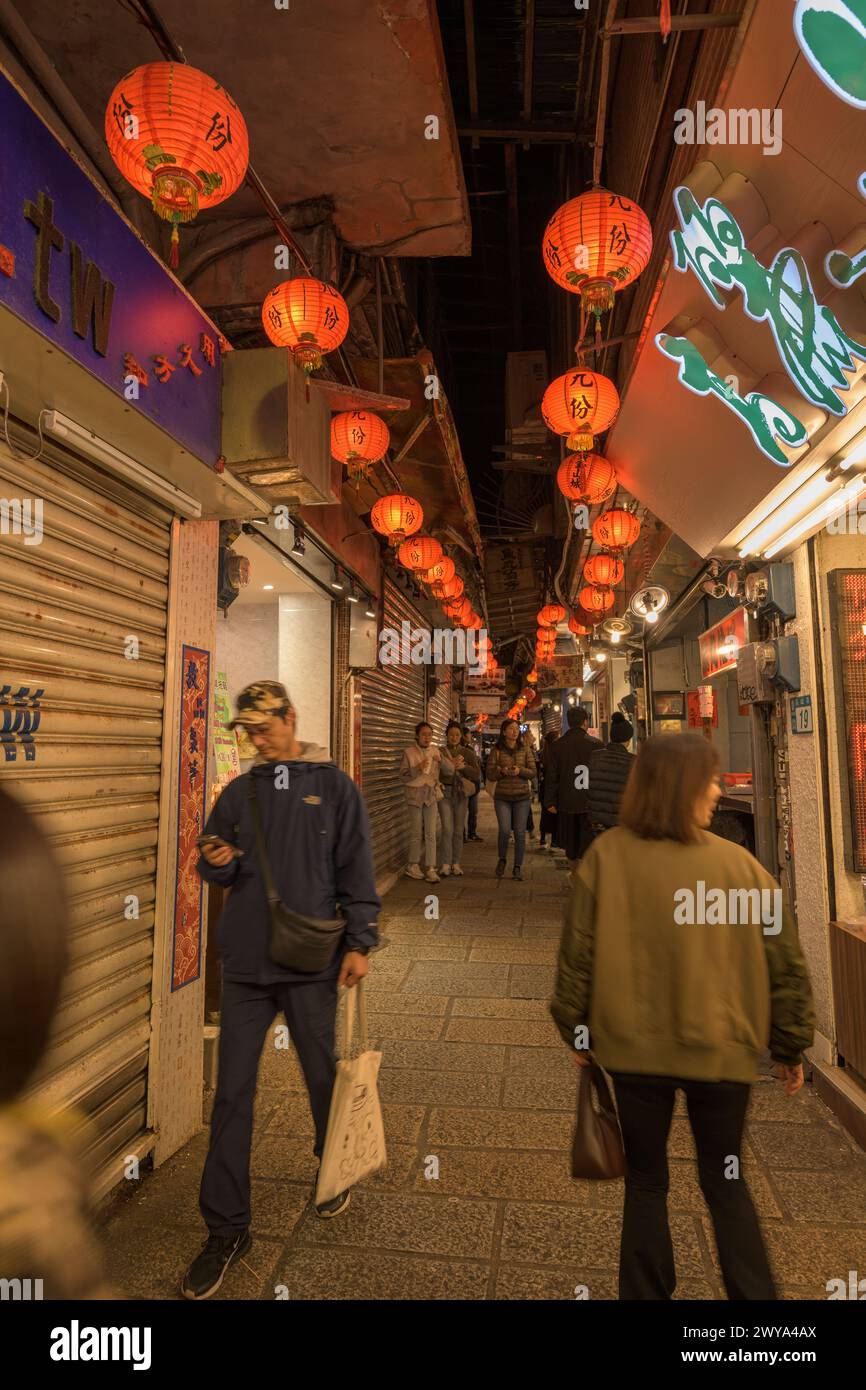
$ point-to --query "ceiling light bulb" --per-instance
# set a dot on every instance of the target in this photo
(267, 586)
(337, 583)
(601, 656)
(615, 637)
(351, 595)
(652, 616)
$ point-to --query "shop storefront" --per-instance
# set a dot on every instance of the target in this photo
(107, 575)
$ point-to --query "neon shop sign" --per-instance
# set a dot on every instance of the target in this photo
(813, 347)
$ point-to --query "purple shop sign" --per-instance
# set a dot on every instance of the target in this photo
(75, 271)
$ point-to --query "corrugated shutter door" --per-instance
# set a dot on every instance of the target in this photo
(392, 703)
(82, 730)
(439, 708)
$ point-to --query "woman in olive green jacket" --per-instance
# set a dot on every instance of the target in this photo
(679, 959)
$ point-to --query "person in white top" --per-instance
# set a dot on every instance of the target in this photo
(420, 773)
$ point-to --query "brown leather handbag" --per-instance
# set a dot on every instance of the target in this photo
(596, 1149)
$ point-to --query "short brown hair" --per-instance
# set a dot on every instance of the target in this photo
(670, 772)
(33, 951)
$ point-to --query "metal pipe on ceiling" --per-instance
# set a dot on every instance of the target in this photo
(601, 110)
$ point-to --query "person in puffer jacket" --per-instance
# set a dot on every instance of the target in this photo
(609, 769)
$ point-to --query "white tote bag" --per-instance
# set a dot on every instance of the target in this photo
(355, 1139)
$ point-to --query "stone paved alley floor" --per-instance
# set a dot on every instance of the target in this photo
(475, 1075)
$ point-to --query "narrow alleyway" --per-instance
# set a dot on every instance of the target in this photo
(474, 1076)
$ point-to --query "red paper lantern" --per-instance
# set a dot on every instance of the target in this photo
(577, 627)
(595, 245)
(580, 404)
(306, 316)
(359, 438)
(419, 553)
(590, 479)
(397, 516)
(450, 588)
(177, 136)
(550, 615)
(604, 571)
(616, 529)
(440, 572)
(457, 608)
(596, 600)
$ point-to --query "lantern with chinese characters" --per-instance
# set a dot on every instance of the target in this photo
(178, 137)
(306, 316)
(595, 245)
(604, 571)
(440, 572)
(616, 530)
(589, 479)
(550, 615)
(449, 588)
(580, 404)
(577, 627)
(596, 600)
(457, 608)
(359, 438)
(419, 553)
(396, 517)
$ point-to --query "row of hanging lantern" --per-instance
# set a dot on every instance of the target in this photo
(594, 246)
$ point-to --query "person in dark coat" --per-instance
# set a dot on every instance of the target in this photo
(566, 786)
(609, 769)
(548, 820)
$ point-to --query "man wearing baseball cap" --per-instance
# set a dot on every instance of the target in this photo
(316, 836)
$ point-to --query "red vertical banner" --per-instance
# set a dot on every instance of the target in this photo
(192, 790)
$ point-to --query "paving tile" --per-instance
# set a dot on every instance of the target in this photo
(555, 1283)
(771, 1103)
(292, 1117)
(439, 1088)
(166, 1198)
(509, 1031)
(837, 1197)
(553, 1060)
(500, 1008)
(360, 1276)
(428, 948)
(499, 1129)
(471, 924)
(496, 1173)
(418, 1005)
(808, 1256)
(277, 1206)
(408, 1221)
(152, 1263)
(443, 1056)
(468, 979)
(279, 1157)
(395, 926)
(515, 953)
(399, 1027)
(530, 1092)
(532, 981)
(685, 1192)
(800, 1146)
(546, 1233)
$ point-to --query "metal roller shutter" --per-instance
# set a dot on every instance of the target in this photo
(82, 729)
(392, 703)
(439, 708)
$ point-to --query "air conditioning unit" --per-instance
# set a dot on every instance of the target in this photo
(273, 436)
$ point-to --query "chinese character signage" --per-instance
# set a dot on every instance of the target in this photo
(192, 762)
(73, 270)
(720, 645)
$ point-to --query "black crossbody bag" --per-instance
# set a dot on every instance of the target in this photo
(307, 944)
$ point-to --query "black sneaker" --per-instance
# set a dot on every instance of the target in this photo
(500, 868)
(335, 1206)
(208, 1270)
(518, 874)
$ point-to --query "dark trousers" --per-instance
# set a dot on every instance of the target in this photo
(472, 821)
(247, 1013)
(717, 1114)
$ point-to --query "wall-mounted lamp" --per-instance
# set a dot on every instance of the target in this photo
(337, 583)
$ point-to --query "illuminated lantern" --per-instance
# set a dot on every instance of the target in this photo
(419, 553)
(595, 245)
(590, 479)
(616, 529)
(596, 600)
(580, 404)
(359, 438)
(604, 571)
(577, 627)
(396, 516)
(551, 614)
(178, 137)
(306, 316)
(545, 634)
(457, 608)
(450, 588)
(440, 571)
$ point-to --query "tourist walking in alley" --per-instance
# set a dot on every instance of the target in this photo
(566, 788)
(673, 1001)
(510, 769)
(420, 770)
(294, 831)
(460, 775)
(467, 741)
(609, 769)
(547, 827)
(529, 745)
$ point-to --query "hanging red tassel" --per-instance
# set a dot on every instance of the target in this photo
(174, 253)
(665, 19)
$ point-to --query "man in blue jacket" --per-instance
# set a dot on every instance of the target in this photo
(318, 844)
